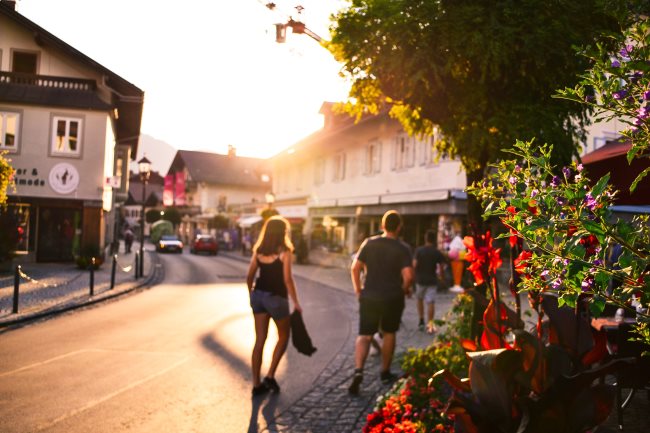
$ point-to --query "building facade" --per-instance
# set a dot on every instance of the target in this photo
(70, 127)
(343, 178)
(205, 185)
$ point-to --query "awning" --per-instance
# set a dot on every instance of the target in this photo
(248, 221)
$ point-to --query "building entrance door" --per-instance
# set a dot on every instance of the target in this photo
(59, 233)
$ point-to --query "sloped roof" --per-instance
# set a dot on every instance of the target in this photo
(218, 169)
(611, 149)
(126, 97)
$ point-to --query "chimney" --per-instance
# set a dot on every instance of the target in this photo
(9, 3)
(232, 151)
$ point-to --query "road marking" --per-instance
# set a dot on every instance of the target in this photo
(107, 397)
(38, 364)
(76, 352)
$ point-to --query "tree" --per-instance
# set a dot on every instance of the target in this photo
(484, 72)
(173, 215)
(152, 216)
(6, 176)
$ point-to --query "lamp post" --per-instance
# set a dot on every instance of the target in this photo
(144, 168)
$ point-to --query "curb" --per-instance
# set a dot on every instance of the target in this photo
(156, 272)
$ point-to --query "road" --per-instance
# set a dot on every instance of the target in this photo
(172, 358)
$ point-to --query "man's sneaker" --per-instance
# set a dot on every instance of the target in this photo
(260, 389)
(387, 377)
(421, 325)
(356, 382)
(271, 384)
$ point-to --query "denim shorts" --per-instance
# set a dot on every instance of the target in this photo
(274, 305)
(426, 292)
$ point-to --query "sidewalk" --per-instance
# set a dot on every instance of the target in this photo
(53, 288)
(327, 407)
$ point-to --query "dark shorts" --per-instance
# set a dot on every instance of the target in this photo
(265, 302)
(376, 315)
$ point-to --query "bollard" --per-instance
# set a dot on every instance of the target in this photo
(92, 276)
(113, 271)
(16, 288)
(142, 264)
(137, 264)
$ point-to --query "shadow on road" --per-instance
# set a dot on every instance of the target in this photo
(268, 405)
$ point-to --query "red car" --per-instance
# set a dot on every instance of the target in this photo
(205, 243)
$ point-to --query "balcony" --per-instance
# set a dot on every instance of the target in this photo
(49, 90)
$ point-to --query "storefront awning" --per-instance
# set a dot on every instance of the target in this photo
(248, 221)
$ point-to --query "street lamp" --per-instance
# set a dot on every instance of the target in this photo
(144, 168)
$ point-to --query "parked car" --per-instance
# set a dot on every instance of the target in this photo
(169, 244)
(205, 243)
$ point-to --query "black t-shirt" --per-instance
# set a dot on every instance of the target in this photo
(428, 257)
(384, 259)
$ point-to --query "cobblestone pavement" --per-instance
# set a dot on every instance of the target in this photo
(51, 288)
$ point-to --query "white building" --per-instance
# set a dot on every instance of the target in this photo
(70, 127)
(337, 183)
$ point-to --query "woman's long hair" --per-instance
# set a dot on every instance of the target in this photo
(274, 237)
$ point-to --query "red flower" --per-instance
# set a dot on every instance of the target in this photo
(521, 262)
(485, 259)
(571, 231)
(590, 243)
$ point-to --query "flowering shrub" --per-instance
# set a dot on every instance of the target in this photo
(414, 404)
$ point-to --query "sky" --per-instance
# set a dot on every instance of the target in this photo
(211, 70)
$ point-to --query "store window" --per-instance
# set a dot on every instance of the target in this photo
(66, 136)
(9, 130)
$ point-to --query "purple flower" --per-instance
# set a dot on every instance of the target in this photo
(598, 262)
(512, 180)
(590, 99)
(534, 193)
(555, 181)
(579, 167)
(646, 95)
(557, 283)
(590, 202)
(626, 50)
(587, 283)
(621, 94)
(561, 201)
(517, 168)
(616, 63)
(567, 172)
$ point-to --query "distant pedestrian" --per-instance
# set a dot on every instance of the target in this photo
(386, 262)
(128, 240)
(269, 293)
(428, 263)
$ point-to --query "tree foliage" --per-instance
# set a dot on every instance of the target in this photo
(6, 177)
(484, 72)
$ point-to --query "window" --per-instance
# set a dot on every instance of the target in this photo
(373, 158)
(403, 152)
(429, 152)
(319, 171)
(66, 136)
(339, 167)
(25, 63)
(9, 126)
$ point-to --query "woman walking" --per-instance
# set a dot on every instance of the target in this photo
(269, 294)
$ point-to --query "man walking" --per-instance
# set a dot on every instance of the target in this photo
(428, 264)
(386, 262)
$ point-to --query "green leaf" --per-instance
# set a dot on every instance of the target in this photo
(593, 227)
(597, 305)
(600, 186)
(641, 175)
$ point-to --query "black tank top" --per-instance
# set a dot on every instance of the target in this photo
(271, 278)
